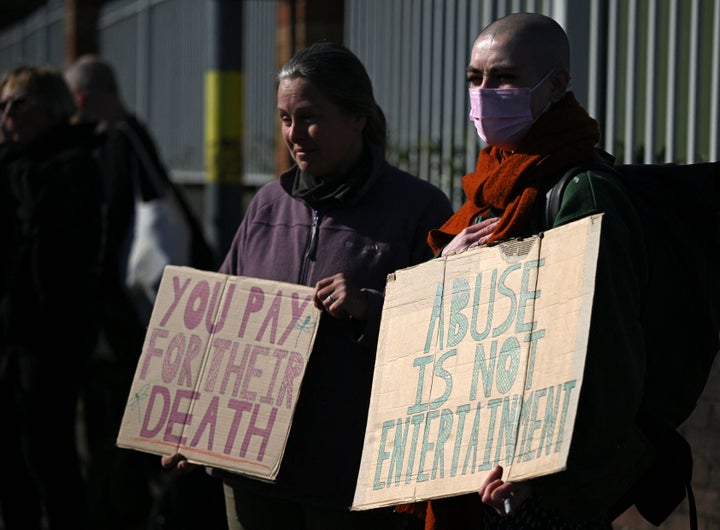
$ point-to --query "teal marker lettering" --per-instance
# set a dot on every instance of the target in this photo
(493, 405)
(485, 367)
(458, 323)
(445, 376)
(533, 339)
(510, 294)
(551, 412)
(446, 423)
(398, 452)
(525, 295)
(416, 421)
(568, 387)
(419, 406)
(508, 364)
(426, 446)
(382, 454)
(533, 425)
(508, 431)
(482, 335)
(436, 316)
(473, 443)
(461, 411)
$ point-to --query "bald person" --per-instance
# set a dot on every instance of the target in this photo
(95, 89)
(535, 129)
(126, 155)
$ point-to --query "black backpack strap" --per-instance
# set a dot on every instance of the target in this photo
(554, 195)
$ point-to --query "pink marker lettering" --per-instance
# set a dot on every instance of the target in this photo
(208, 420)
(239, 407)
(152, 350)
(178, 293)
(197, 304)
(193, 350)
(177, 416)
(252, 372)
(170, 367)
(256, 299)
(272, 317)
(235, 369)
(263, 433)
(220, 346)
(292, 370)
(157, 391)
(279, 356)
(218, 325)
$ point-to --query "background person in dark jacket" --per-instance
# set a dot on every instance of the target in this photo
(341, 219)
(120, 495)
(50, 228)
(121, 482)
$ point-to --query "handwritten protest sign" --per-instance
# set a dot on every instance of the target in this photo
(220, 370)
(480, 362)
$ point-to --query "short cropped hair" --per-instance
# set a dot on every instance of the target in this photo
(92, 75)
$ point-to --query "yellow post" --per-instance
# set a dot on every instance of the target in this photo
(224, 126)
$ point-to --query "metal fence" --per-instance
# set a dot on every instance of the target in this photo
(38, 39)
(160, 50)
(648, 70)
(661, 81)
(416, 52)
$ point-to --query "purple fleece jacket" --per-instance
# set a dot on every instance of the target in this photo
(281, 238)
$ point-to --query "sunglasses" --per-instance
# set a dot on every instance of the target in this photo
(14, 103)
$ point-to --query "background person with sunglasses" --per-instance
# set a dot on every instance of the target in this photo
(50, 238)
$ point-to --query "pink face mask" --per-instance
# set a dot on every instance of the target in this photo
(502, 116)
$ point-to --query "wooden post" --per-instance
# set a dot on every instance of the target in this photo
(301, 23)
(81, 35)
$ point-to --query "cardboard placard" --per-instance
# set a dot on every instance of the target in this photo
(220, 370)
(480, 362)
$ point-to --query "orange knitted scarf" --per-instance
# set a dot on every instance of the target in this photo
(507, 183)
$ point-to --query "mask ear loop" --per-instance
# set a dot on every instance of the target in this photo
(549, 104)
(542, 80)
(566, 90)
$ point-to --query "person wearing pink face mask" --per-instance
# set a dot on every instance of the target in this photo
(535, 129)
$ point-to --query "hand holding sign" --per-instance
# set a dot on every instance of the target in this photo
(176, 461)
(503, 496)
(480, 364)
(340, 298)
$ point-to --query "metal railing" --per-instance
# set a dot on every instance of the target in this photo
(648, 70)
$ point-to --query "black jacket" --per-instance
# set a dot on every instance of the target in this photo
(50, 234)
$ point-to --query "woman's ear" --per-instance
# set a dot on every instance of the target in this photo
(560, 81)
(361, 121)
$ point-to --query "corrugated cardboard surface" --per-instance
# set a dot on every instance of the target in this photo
(220, 371)
(480, 362)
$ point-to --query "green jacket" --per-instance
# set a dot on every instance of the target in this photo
(608, 452)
